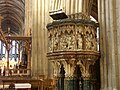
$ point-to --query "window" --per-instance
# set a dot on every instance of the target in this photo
(13, 53)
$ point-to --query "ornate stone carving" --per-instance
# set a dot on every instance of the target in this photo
(63, 42)
(50, 41)
(74, 43)
(85, 66)
(69, 66)
(79, 40)
(72, 36)
(90, 38)
(67, 39)
(56, 69)
(55, 40)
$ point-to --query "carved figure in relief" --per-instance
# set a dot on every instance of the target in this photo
(49, 44)
(90, 38)
(63, 42)
(79, 37)
(69, 42)
(73, 41)
(88, 41)
(88, 44)
(94, 44)
(91, 42)
(79, 41)
(55, 44)
(93, 39)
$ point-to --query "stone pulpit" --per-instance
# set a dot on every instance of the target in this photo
(72, 48)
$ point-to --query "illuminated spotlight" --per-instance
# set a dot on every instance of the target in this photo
(57, 15)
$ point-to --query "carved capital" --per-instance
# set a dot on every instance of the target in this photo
(69, 66)
(56, 69)
(85, 68)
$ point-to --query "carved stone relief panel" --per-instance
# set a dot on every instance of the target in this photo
(67, 38)
(55, 40)
(63, 41)
(70, 40)
(74, 36)
(90, 38)
(94, 34)
(50, 41)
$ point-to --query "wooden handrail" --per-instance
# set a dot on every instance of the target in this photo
(16, 72)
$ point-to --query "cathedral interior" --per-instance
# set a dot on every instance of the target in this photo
(59, 45)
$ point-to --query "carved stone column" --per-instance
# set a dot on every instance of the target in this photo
(56, 73)
(70, 81)
(86, 75)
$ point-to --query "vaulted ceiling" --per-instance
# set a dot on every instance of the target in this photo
(13, 12)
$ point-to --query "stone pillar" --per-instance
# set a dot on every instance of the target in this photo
(59, 75)
(62, 76)
(85, 65)
(28, 17)
(71, 83)
(56, 73)
(57, 84)
(86, 7)
(40, 17)
(108, 17)
(86, 85)
(117, 41)
(70, 80)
